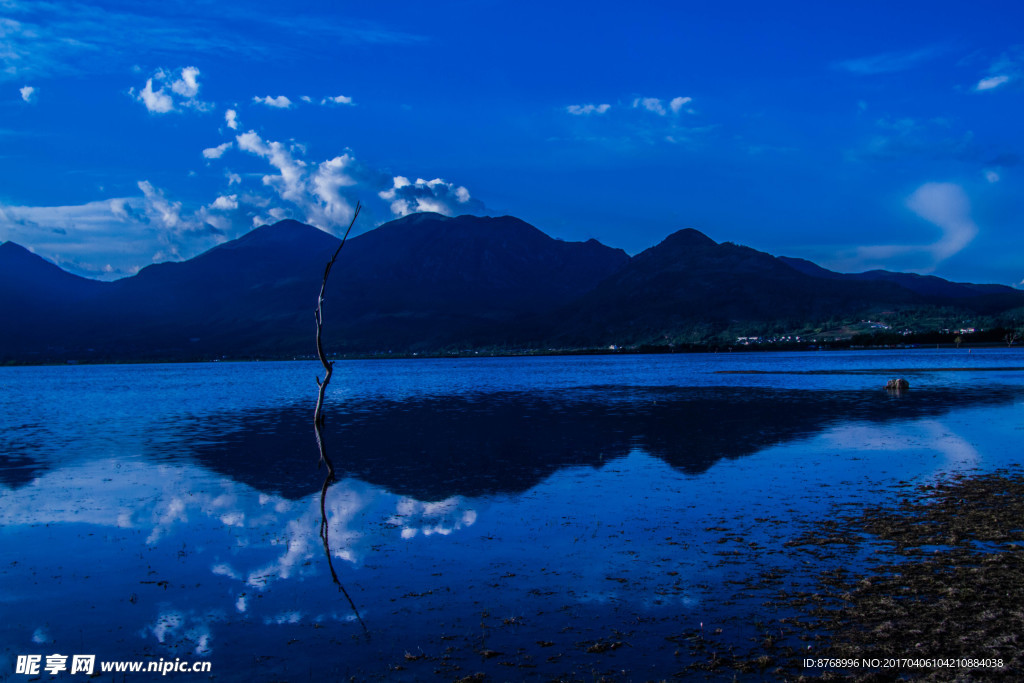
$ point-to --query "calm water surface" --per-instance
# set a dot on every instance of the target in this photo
(491, 515)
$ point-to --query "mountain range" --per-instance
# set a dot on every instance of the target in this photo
(428, 283)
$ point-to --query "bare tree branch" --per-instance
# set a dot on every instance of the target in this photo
(318, 419)
(318, 416)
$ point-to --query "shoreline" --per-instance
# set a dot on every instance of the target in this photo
(510, 353)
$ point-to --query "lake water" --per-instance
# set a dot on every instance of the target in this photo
(539, 518)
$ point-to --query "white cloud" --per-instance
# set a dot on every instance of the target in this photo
(74, 236)
(330, 177)
(216, 152)
(186, 84)
(992, 82)
(1008, 68)
(157, 102)
(435, 195)
(655, 105)
(339, 99)
(947, 206)
(178, 233)
(231, 118)
(176, 90)
(290, 181)
(324, 194)
(316, 191)
(587, 109)
(678, 103)
(225, 203)
(652, 104)
(28, 93)
(157, 206)
(112, 237)
(279, 102)
(992, 176)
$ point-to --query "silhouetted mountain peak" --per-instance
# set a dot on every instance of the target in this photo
(421, 218)
(13, 250)
(501, 265)
(434, 225)
(17, 262)
(687, 237)
(32, 288)
(286, 232)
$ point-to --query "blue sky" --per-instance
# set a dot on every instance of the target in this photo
(859, 135)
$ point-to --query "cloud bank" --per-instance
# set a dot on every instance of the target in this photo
(324, 193)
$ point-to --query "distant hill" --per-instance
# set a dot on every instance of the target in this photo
(41, 304)
(421, 282)
(427, 282)
(691, 285)
(935, 289)
(32, 280)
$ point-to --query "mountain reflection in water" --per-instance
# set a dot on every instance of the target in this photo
(436, 447)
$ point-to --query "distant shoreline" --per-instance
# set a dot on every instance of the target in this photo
(510, 353)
